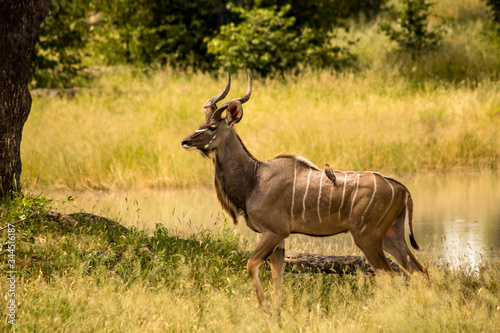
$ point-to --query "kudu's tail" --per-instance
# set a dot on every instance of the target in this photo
(409, 209)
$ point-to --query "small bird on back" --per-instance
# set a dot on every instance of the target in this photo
(330, 174)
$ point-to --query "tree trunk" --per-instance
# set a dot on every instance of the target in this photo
(19, 23)
(341, 265)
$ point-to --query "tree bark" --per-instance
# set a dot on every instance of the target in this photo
(19, 23)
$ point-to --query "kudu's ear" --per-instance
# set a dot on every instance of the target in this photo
(234, 113)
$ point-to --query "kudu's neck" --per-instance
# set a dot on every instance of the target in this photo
(235, 174)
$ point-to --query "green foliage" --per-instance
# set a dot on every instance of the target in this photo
(116, 29)
(57, 60)
(326, 15)
(16, 210)
(495, 12)
(412, 32)
(267, 41)
(203, 35)
(176, 31)
(20, 207)
(160, 32)
(495, 8)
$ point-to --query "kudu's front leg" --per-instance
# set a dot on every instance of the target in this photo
(269, 242)
(277, 262)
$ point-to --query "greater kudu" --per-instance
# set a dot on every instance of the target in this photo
(289, 195)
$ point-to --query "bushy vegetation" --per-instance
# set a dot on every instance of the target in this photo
(93, 279)
(412, 33)
(176, 33)
(267, 42)
(272, 37)
(60, 44)
(495, 8)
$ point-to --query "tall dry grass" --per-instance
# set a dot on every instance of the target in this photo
(127, 134)
(396, 114)
(315, 304)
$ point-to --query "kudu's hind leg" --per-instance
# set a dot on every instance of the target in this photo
(267, 245)
(395, 244)
(371, 245)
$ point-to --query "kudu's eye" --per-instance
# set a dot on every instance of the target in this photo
(212, 128)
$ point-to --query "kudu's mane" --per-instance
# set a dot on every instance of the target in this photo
(302, 160)
(231, 199)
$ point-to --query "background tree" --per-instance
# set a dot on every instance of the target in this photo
(325, 15)
(177, 30)
(495, 11)
(117, 29)
(176, 33)
(19, 24)
(59, 44)
(267, 41)
(410, 28)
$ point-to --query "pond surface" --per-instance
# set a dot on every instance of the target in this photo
(456, 216)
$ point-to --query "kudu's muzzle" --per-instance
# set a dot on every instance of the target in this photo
(186, 143)
(194, 141)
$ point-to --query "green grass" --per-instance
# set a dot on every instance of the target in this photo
(64, 284)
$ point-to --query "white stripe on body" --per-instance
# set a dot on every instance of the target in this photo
(293, 190)
(319, 195)
(373, 196)
(305, 195)
(355, 194)
(330, 204)
(343, 194)
(390, 203)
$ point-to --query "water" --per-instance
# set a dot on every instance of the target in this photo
(456, 217)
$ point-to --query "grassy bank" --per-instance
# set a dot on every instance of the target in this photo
(127, 134)
(70, 279)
